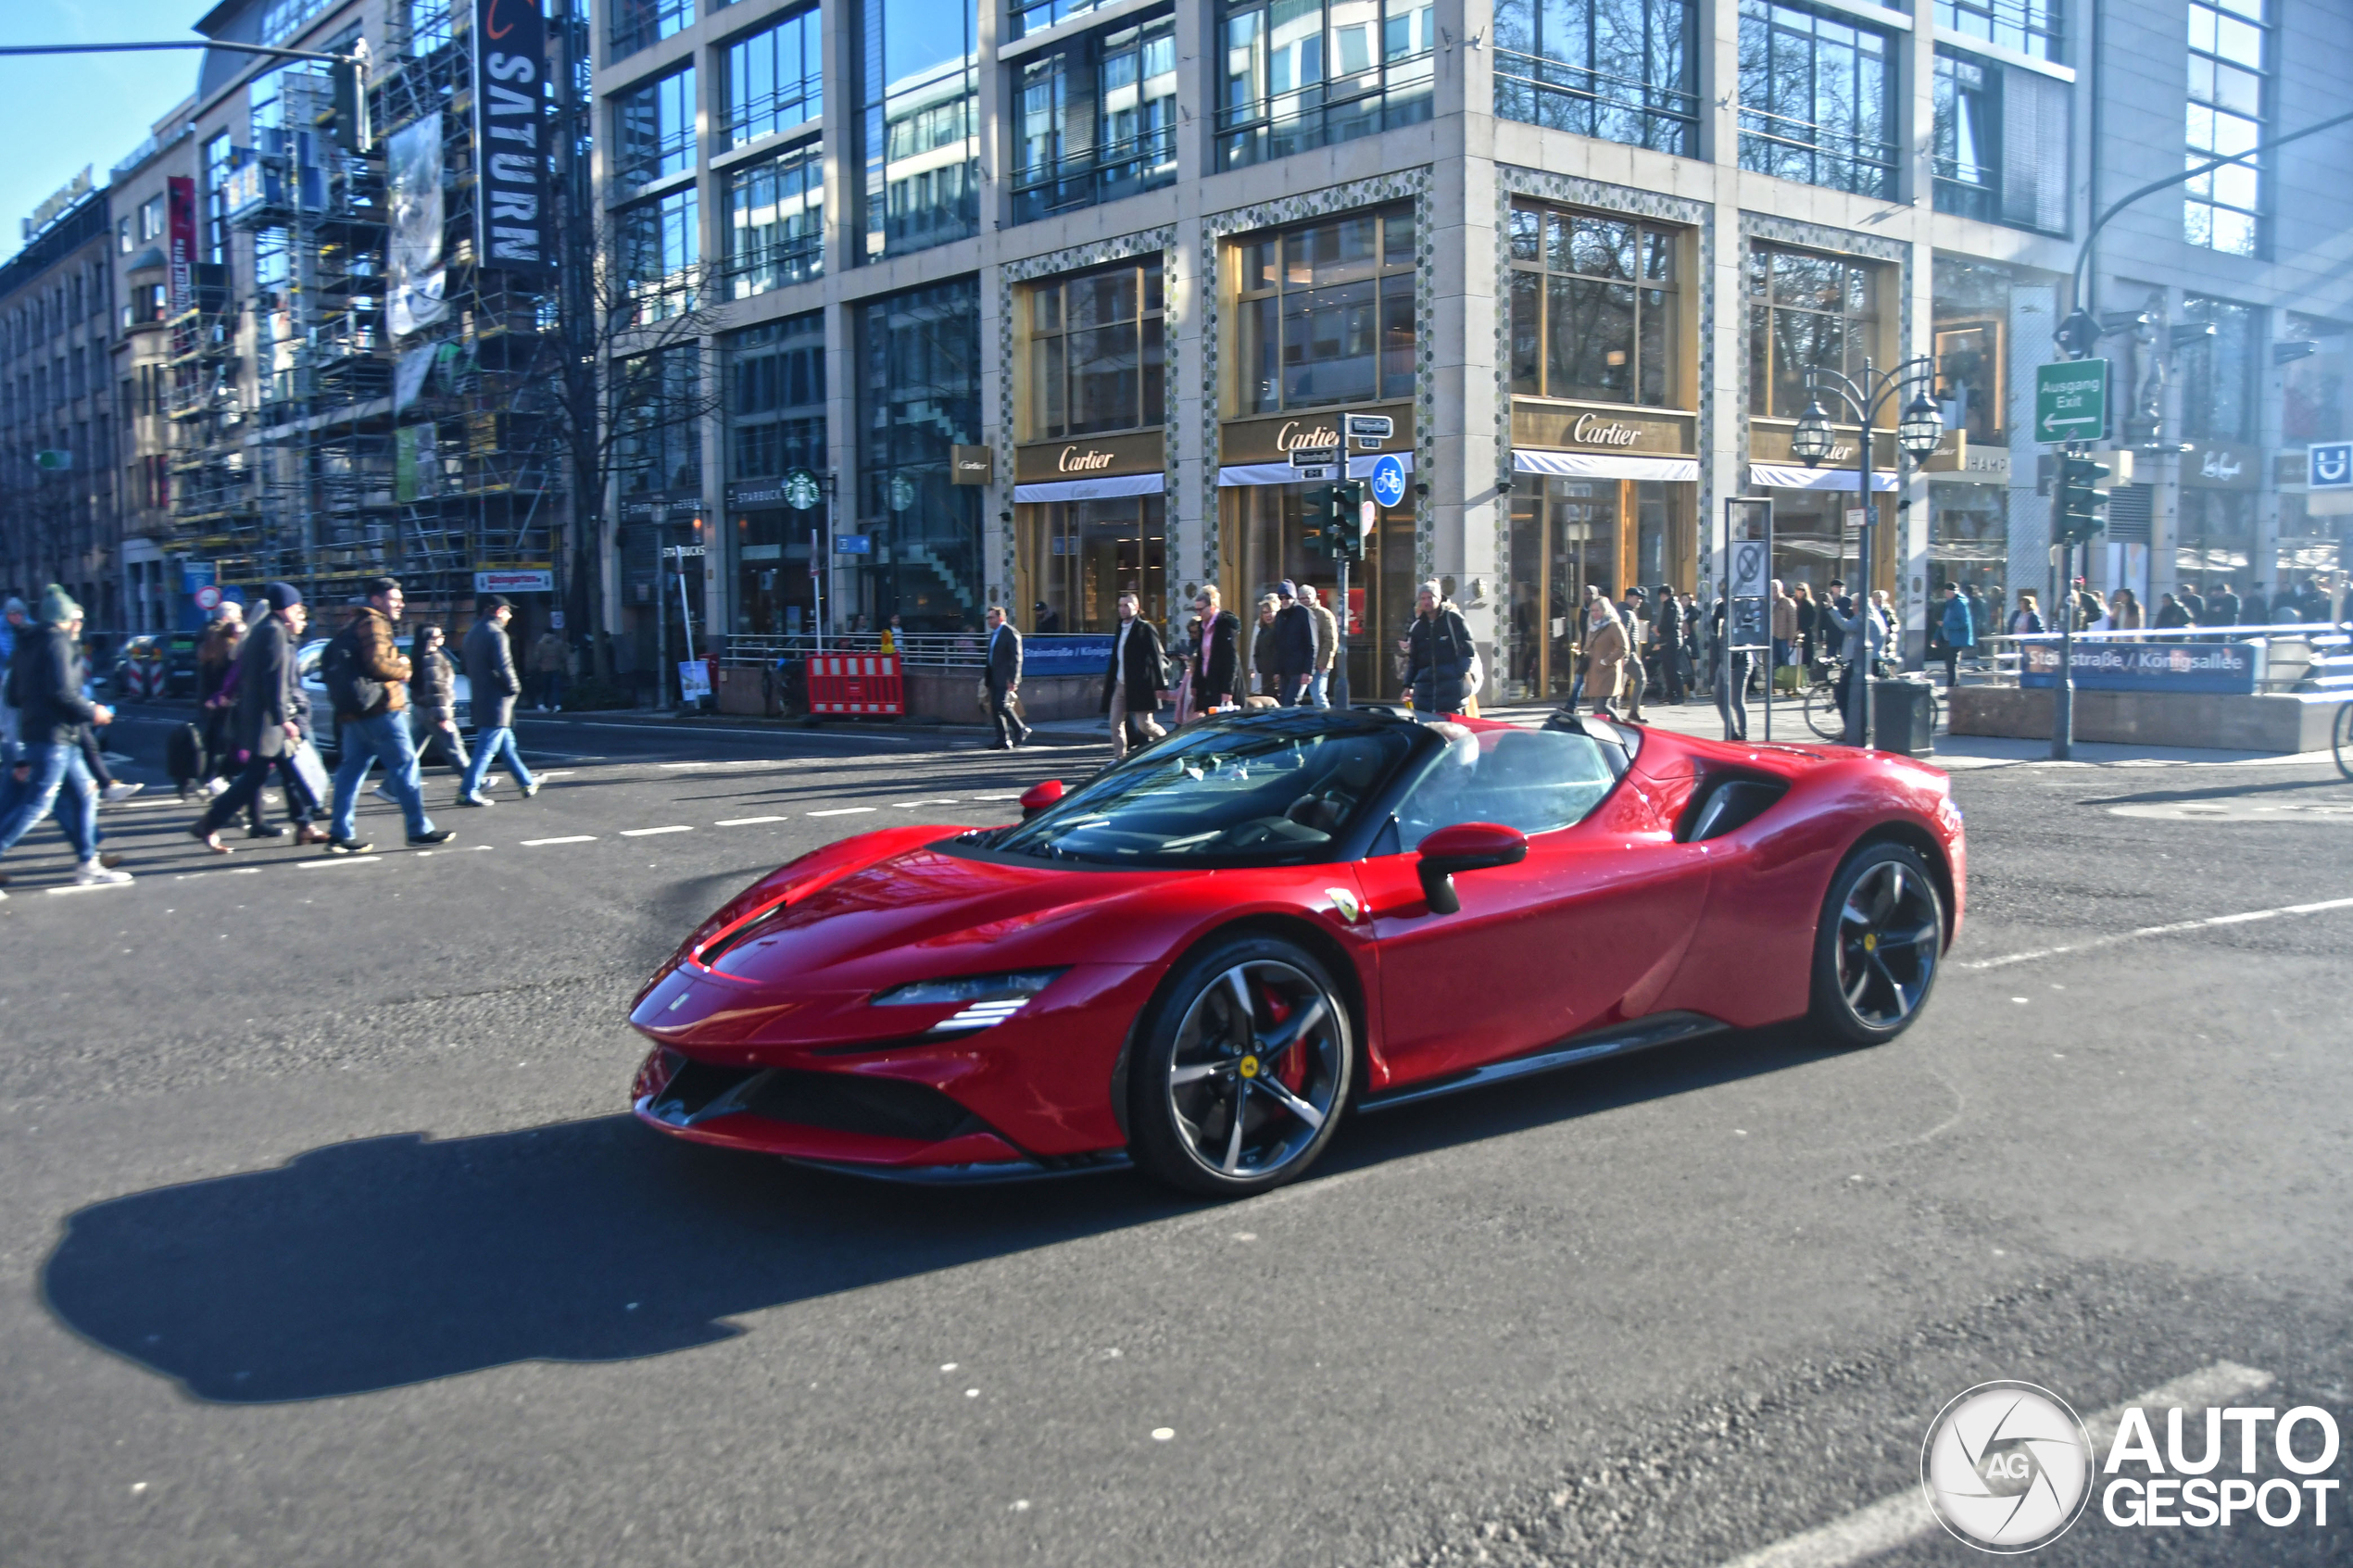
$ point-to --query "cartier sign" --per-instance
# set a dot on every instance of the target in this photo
(1566, 427)
(1272, 440)
(1099, 458)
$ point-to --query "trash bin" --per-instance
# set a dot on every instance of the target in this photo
(1904, 715)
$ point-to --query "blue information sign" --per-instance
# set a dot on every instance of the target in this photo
(1389, 482)
(2235, 668)
(1066, 654)
(853, 544)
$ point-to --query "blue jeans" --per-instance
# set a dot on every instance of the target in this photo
(1318, 689)
(365, 742)
(61, 780)
(488, 746)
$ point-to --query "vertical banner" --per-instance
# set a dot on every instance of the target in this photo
(180, 225)
(414, 275)
(511, 137)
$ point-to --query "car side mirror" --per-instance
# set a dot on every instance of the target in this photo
(1465, 846)
(1036, 797)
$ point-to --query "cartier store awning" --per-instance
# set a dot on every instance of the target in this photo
(1091, 469)
(1258, 451)
(1569, 441)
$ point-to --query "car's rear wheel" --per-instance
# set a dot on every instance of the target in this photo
(1242, 1070)
(1876, 946)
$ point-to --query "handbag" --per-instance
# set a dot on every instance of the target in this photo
(310, 772)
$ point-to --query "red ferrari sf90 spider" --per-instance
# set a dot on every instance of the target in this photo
(1203, 957)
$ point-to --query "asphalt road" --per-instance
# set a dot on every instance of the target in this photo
(329, 1239)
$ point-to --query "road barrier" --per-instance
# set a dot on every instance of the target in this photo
(856, 683)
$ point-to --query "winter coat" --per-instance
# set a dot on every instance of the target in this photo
(1258, 655)
(1326, 636)
(2027, 624)
(380, 658)
(1294, 649)
(1606, 650)
(268, 690)
(1143, 672)
(551, 655)
(45, 686)
(490, 671)
(2173, 614)
(1784, 619)
(1956, 623)
(1003, 666)
(1218, 681)
(1668, 624)
(216, 653)
(1437, 658)
(434, 688)
(2222, 609)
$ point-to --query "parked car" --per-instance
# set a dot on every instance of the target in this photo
(431, 746)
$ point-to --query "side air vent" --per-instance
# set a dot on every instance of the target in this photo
(1730, 803)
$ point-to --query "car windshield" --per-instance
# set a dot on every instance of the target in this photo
(1532, 780)
(1230, 793)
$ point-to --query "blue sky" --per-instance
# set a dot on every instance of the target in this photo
(58, 112)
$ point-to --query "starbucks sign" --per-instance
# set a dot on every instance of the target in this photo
(802, 491)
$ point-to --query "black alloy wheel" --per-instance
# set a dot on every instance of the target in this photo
(1876, 946)
(1241, 1071)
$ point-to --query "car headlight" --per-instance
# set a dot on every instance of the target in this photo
(984, 999)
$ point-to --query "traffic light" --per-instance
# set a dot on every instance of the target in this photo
(2079, 334)
(350, 77)
(2080, 500)
(1347, 528)
(1320, 535)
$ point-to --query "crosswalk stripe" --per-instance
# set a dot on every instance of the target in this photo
(842, 811)
(746, 822)
(647, 832)
(569, 838)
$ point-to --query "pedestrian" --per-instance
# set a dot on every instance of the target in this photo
(2193, 603)
(1784, 629)
(2222, 607)
(2124, 611)
(1326, 625)
(1666, 624)
(490, 671)
(44, 680)
(551, 664)
(1862, 634)
(892, 636)
(1606, 651)
(216, 657)
(1218, 658)
(1437, 654)
(1001, 678)
(269, 721)
(368, 681)
(1136, 677)
(1044, 620)
(1294, 645)
(2027, 620)
(1808, 616)
(1958, 631)
(16, 627)
(2171, 613)
(1259, 665)
(1732, 671)
(433, 690)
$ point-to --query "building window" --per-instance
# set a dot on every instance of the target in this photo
(2000, 144)
(2223, 209)
(217, 156)
(1968, 136)
(1324, 314)
(775, 79)
(777, 222)
(1817, 99)
(151, 219)
(640, 24)
(1806, 312)
(918, 395)
(2312, 402)
(1624, 70)
(776, 397)
(122, 235)
(2032, 26)
(1086, 554)
(1593, 308)
(654, 130)
(1306, 73)
(1036, 16)
(1097, 120)
(2219, 372)
(921, 124)
(659, 447)
(660, 243)
(1097, 358)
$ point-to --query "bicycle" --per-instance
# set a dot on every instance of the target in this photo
(2332, 672)
(1826, 718)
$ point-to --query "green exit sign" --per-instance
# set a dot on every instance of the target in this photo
(2071, 401)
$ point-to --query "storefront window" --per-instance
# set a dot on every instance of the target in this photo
(1571, 534)
(919, 395)
(1593, 308)
(1325, 315)
(1972, 305)
(1806, 311)
(1096, 352)
(2214, 540)
(1088, 553)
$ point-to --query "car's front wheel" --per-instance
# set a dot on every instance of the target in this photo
(1241, 1071)
(1876, 946)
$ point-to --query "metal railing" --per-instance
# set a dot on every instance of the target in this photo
(1776, 144)
(1095, 175)
(1540, 89)
(2299, 657)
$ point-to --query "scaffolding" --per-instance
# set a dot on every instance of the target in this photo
(294, 456)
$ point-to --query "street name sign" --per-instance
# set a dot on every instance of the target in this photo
(2071, 401)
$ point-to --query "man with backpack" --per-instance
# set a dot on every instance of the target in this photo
(44, 684)
(368, 681)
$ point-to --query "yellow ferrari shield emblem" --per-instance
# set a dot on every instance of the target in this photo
(1344, 903)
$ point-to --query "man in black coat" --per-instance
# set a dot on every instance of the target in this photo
(1001, 675)
(265, 724)
(1138, 676)
(2221, 609)
(1294, 645)
(1218, 661)
(490, 675)
(45, 682)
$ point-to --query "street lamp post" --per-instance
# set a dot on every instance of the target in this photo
(1917, 432)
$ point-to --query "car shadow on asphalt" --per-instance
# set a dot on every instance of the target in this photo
(389, 1261)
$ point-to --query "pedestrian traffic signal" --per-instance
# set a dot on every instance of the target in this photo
(2080, 500)
(1332, 527)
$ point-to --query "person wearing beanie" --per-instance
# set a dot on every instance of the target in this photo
(1294, 645)
(490, 671)
(44, 683)
(267, 725)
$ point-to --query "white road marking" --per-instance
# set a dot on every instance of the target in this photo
(568, 838)
(2166, 930)
(341, 860)
(1903, 1517)
(842, 811)
(86, 887)
(910, 805)
(746, 822)
(996, 797)
(647, 832)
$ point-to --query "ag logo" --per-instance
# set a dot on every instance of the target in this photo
(2006, 1467)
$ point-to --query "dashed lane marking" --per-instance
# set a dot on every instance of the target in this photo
(910, 805)
(747, 822)
(367, 860)
(842, 811)
(1903, 1517)
(2169, 929)
(996, 797)
(85, 887)
(649, 832)
(568, 838)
